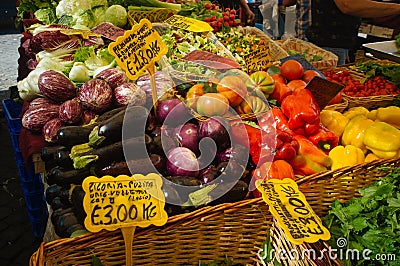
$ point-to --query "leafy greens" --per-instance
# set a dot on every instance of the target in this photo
(371, 221)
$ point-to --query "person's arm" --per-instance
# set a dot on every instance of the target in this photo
(249, 15)
(367, 8)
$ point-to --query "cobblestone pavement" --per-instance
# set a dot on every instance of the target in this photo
(9, 44)
(17, 241)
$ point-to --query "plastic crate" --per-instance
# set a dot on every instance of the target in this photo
(38, 219)
(34, 200)
(12, 110)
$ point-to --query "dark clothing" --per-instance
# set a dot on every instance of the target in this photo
(330, 27)
(232, 4)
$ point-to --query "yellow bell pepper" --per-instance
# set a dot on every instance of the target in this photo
(348, 155)
(390, 115)
(353, 133)
(355, 111)
(383, 140)
(371, 157)
(334, 121)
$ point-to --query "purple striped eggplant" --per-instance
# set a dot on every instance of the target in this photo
(56, 86)
(71, 111)
(51, 128)
(129, 93)
(96, 95)
(114, 77)
(34, 119)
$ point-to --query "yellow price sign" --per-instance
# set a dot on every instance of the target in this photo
(258, 60)
(138, 49)
(124, 201)
(292, 211)
(189, 24)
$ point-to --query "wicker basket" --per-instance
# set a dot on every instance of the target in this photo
(236, 230)
(310, 50)
(155, 15)
(369, 102)
(340, 107)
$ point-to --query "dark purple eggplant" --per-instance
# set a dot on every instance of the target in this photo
(62, 178)
(104, 116)
(77, 196)
(133, 119)
(237, 193)
(48, 152)
(73, 135)
(139, 166)
(208, 174)
(63, 159)
(56, 86)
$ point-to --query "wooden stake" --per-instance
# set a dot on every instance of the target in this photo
(127, 233)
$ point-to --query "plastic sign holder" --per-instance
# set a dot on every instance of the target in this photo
(124, 202)
(292, 211)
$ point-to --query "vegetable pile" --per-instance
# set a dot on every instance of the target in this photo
(369, 222)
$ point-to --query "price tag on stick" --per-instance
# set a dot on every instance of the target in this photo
(292, 211)
(138, 49)
(258, 60)
(124, 202)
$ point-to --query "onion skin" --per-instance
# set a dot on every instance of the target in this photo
(96, 95)
(173, 112)
(182, 161)
(187, 136)
(218, 129)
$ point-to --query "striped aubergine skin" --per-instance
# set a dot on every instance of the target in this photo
(34, 119)
(71, 111)
(51, 128)
(96, 95)
(56, 86)
(114, 77)
(129, 93)
(39, 102)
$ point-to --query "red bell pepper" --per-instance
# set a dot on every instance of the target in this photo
(286, 147)
(324, 139)
(302, 111)
(278, 169)
(281, 91)
(272, 119)
(250, 135)
(310, 159)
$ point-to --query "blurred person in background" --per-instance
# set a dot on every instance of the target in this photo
(334, 23)
(247, 14)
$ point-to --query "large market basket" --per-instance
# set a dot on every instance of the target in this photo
(233, 230)
(309, 51)
(369, 102)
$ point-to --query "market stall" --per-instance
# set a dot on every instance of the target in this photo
(169, 133)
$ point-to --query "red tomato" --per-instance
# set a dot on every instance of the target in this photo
(291, 69)
(309, 74)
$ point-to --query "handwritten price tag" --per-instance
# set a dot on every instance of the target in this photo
(258, 60)
(292, 211)
(189, 24)
(323, 90)
(115, 202)
(138, 49)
